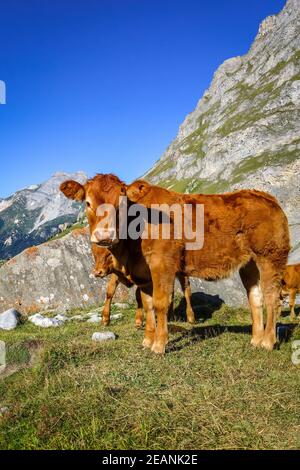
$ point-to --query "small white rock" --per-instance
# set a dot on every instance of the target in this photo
(9, 319)
(77, 317)
(93, 313)
(46, 322)
(94, 319)
(116, 316)
(4, 410)
(103, 336)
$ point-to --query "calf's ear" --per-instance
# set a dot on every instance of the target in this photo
(73, 190)
(137, 190)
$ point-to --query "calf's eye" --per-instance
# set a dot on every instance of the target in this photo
(88, 204)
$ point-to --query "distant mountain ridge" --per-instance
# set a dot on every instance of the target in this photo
(32, 215)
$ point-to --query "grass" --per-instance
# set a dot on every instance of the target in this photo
(68, 230)
(210, 391)
(287, 154)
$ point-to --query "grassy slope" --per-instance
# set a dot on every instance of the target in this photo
(207, 392)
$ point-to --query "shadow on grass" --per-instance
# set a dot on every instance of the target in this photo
(286, 312)
(200, 333)
(204, 305)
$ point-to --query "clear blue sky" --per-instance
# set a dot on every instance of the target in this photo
(102, 85)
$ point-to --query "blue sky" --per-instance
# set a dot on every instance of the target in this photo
(102, 85)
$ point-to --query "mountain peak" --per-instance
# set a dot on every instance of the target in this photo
(33, 214)
(244, 131)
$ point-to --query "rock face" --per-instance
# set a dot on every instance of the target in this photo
(245, 130)
(55, 275)
(32, 215)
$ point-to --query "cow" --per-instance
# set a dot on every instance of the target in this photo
(291, 286)
(244, 230)
(104, 266)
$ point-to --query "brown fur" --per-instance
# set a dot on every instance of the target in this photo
(104, 266)
(291, 285)
(244, 230)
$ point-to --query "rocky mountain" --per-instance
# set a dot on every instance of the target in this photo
(245, 130)
(32, 215)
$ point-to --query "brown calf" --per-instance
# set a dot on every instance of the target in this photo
(291, 285)
(104, 266)
(244, 230)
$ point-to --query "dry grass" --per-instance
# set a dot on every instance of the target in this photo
(211, 390)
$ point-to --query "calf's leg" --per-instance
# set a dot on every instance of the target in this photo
(150, 319)
(163, 285)
(251, 280)
(271, 282)
(186, 289)
(139, 314)
(110, 292)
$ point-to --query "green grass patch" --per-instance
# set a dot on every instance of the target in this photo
(252, 164)
(212, 390)
(68, 230)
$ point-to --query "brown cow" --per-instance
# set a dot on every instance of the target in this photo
(244, 230)
(104, 266)
(291, 285)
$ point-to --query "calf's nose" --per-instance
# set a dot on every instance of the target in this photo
(98, 272)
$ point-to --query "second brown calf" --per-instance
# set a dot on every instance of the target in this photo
(104, 266)
(291, 285)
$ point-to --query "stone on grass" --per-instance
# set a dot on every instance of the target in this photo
(77, 317)
(95, 318)
(4, 410)
(92, 313)
(9, 319)
(103, 336)
(46, 322)
(116, 316)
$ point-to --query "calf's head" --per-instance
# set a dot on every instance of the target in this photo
(103, 261)
(101, 195)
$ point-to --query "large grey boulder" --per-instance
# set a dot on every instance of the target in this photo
(9, 320)
(54, 276)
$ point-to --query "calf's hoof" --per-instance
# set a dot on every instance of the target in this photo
(190, 317)
(158, 348)
(147, 343)
(256, 342)
(138, 325)
(268, 344)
